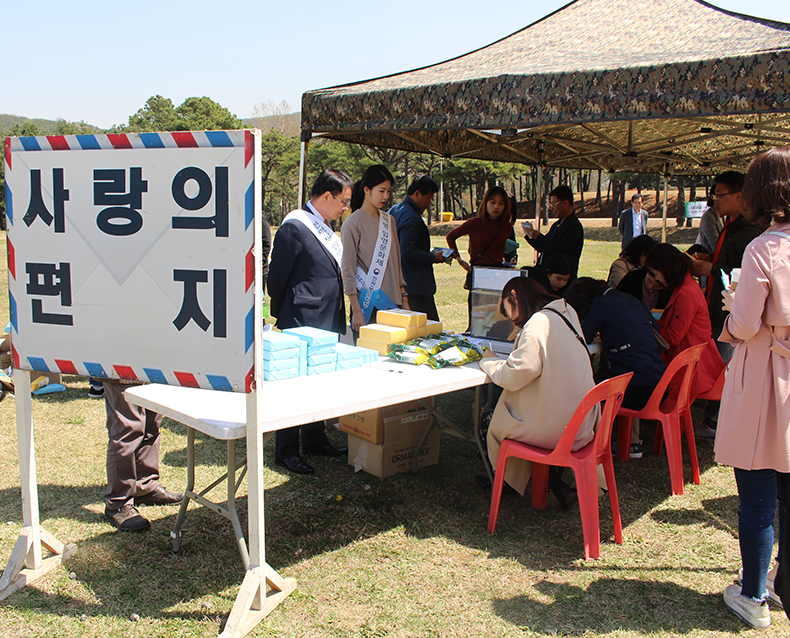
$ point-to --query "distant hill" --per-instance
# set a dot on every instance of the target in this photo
(47, 127)
(289, 124)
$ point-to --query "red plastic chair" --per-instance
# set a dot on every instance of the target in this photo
(714, 394)
(673, 414)
(583, 462)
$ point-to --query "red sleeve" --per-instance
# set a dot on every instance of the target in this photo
(676, 320)
(463, 229)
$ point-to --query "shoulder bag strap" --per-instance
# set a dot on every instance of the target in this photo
(491, 243)
(578, 336)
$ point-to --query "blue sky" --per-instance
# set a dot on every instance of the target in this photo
(100, 61)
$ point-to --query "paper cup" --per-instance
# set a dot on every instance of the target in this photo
(735, 275)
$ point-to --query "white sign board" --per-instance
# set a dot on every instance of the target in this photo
(696, 209)
(131, 256)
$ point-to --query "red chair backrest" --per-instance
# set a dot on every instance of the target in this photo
(610, 392)
(684, 363)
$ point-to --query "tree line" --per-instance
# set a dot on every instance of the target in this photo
(464, 180)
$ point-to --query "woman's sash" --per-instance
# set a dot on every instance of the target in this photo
(369, 284)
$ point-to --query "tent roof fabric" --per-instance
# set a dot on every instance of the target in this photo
(611, 84)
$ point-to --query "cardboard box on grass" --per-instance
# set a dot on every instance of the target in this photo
(402, 435)
(369, 424)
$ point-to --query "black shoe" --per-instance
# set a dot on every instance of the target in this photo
(295, 464)
(564, 493)
(159, 496)
(127, 519)
(483, 481)
(328, 450)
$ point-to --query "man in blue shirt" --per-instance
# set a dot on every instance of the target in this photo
(417, 258)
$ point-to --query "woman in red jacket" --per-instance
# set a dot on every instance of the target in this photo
(488, 233)
(685, 321)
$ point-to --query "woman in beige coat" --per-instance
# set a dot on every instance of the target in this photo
(544, 378)
(753, 433)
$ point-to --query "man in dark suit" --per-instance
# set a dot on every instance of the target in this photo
(633, 221)
(417, 258)
(306, 289)
(565, 236)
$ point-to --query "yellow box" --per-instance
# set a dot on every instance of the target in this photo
(382, 348)
(369, 425)
(413, 332)
(383, 334)
(433, 328)
(447, 216)
(402, 318)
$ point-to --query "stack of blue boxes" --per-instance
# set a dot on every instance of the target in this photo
(320, 344)
(349, 357)
(297, 352)
(281, 356)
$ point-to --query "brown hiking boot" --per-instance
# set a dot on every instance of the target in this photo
(159, 496)
(127, 519)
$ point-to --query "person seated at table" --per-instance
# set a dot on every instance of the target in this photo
(631, 258)
(685, 321)
(628, 341)
(639, 284)
(553, 275)
(544, 379)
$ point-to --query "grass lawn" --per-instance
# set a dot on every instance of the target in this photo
(407, 556)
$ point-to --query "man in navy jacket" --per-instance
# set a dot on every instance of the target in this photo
(306, 289)
(417, 258)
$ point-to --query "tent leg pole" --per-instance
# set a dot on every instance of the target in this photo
(538, 204)
(666, 192)
(303, 167)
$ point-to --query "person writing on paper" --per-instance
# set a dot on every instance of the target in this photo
(626, 329)
(752, 434)
(372, 274)
(544, 379)
(306, 289)
(685, 321)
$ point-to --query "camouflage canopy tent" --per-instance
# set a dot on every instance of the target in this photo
(637, 85)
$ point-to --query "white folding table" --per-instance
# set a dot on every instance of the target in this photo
(284, 404)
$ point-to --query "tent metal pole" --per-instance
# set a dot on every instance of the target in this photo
(538, 196)
(440, 207)
(306, 135)
(538, 204)
(666, 192)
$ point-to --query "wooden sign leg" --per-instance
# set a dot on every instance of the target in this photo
(26, 562)
(261, 591)
(263, 588)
